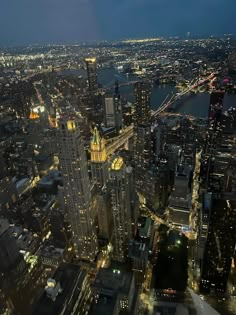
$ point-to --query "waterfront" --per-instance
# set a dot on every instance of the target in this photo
(197, 105)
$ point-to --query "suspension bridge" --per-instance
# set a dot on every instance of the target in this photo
(117, 142)
(173, 98)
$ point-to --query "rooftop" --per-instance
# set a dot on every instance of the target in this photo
(117, 163)
(70, 277)
(113, 280)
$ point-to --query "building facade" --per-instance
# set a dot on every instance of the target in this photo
(121, 208)
(91, 66)
(77, 193)
(99, 165)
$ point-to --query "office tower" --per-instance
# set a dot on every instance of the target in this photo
(12, 270)
(105, 223)
(203, 227)
(220, 246)
(142, 109)
(134, 201)
(138, 253)
(142, 134)
(99, 166)
(157, 185)
(180, 198)
(91, 65)
(213, 132)
(160, 138)
(113, 110)
(142, 156)
(215, 108)
(214, 121)
(114, 291)
(121, 212)
(221, 241)
(77, 193)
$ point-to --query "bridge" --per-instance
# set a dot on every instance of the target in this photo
(111, 86)
(166, 104)
(115, 143)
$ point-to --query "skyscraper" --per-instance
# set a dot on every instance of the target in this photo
(104, 214)
(77, 194)
(113, 110)
(91, 65)
(220, 239)
(121, 208)
(142, 109)
(142, 134)
(12, 270)
(213, 130)
(220, 246)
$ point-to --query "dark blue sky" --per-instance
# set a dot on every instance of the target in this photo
(37, 21)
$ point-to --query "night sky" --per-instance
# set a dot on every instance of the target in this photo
(42, 21)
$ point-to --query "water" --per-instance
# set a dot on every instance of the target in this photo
(197, 105)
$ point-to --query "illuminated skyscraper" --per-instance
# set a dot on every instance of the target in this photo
(142, 134)
(219, 249)
(77, 194)
(213, 130)
(99, 165)
(142, 109)
(220, 246)
(121, 207)
(91, 65)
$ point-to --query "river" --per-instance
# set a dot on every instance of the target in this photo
(197, 105)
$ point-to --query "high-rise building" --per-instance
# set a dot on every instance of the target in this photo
(12, 270)
(204, 219)
(11, 260)
(142, 134)
(113, 110)
(220, 246)
(213, 132)
(91, 65)
(77, 192)
(121, 208)
(142, 156)
(220, 242)
(138, 253)
(142, 109)
(114, 291)
(105, 222)
(99, 166)
(180, 198)
(215, 108)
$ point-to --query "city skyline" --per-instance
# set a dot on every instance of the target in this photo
(118, 177)
(86, 20)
